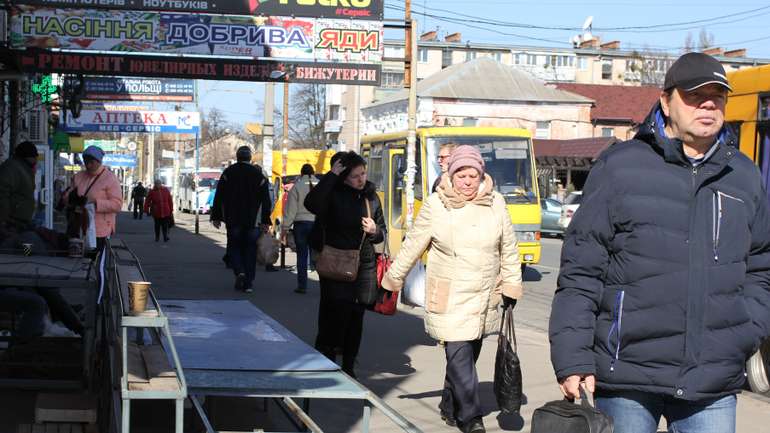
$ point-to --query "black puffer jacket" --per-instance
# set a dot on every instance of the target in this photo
(338, 209)
(242, 197)
(665, 270)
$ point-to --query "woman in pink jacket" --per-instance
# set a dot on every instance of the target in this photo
(102, 188)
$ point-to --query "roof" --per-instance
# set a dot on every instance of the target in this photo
(624, 103)
(575, 148)
(486, 79)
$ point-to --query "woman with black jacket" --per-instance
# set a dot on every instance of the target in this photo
(339, 203)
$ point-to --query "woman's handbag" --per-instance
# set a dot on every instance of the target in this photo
(387, 301)
(507, 385)
(338, 264)
(563, 416)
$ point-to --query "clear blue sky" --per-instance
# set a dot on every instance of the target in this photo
(739, 24)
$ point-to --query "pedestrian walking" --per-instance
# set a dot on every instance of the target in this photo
(300, 220)
(443, 161)
(664, 285)
(340, 201)
(473, 266)
(98, 185)
(138, 194)
(159, 204)
(242, 198)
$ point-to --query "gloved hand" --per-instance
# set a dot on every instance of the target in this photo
(508, 302)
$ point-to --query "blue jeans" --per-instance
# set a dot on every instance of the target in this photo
(302, 231)
(242, 249)
(640, 412)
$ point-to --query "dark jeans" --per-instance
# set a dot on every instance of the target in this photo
(460, 397)
(138, 209)
(161, 224)
(640, 412)
(302, 231)
(242, 251)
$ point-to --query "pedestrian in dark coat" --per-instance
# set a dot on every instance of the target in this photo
(138, 195)
(241, 200)
(664, 289)
(160, 205)
(339, 201)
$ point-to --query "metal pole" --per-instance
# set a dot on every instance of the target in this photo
(197, 165)
(268, 131)
(285, 143)
(411, 137)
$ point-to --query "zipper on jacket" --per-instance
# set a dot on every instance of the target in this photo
(616, 328)
(716, 223)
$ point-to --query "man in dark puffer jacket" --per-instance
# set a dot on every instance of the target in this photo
(664, 288)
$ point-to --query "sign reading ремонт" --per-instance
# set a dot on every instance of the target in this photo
(348, 9)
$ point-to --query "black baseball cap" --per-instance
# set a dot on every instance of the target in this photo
(694, 70)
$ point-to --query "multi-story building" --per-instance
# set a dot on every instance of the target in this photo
(591, 63)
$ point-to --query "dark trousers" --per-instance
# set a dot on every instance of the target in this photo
(242, 251)
(138, 209)
(161, 224)
(302, 231)
(460, 397)
(340, 325)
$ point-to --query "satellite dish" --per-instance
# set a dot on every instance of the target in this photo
(587, 24)
(575, 40)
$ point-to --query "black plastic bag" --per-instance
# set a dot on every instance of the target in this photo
(563, 416)
(507, 385)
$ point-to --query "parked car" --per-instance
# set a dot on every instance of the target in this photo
(570, 206)
(550, 211)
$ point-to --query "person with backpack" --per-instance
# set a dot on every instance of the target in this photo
(300, 220)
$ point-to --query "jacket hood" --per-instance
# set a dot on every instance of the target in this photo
(652, 131)
(453, 200)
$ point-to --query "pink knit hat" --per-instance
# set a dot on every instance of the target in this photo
(465, 156)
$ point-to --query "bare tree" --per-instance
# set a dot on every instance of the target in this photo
(215, 126)
(689, 44)
(306, 124)
(705, 40)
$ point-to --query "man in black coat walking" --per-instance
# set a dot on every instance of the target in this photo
(138, 194)
(242, 197)
(664, 288)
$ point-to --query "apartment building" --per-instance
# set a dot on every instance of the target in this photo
(593, 62)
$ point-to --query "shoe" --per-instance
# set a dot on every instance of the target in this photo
(165, 239)
(448, 419)
(248, 289)
(300, 290)
(240, 282)
(476, 425)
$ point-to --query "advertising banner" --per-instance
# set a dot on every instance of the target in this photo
(42, 61)
(296, 39)
(105, 145)
(138, 89)
(348, 9)
(179, 122)
(119, 160)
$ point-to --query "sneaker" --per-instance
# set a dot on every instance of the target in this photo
(300, 290)
(248, 289)
(476, 425)
(240, 282)
(448, 419)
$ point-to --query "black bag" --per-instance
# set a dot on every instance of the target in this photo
(507, 385)
(564, 416)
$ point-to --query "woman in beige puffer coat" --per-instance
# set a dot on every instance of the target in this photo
(473, 263)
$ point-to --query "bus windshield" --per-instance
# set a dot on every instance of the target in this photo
(508, 160)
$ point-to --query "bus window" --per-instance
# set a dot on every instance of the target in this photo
(374, 169)
(418, 171)
(397, 189)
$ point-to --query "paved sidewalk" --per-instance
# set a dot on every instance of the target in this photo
(398, 361)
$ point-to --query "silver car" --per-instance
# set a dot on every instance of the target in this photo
(550, 211)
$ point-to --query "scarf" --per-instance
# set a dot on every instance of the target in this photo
(454, 200)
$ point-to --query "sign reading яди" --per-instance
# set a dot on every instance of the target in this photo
(349, 9)
(273, 37)
(138, 89)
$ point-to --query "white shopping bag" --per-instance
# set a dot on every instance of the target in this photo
(413, 292)
(89, 237)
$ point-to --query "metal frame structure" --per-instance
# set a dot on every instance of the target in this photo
(156, 323)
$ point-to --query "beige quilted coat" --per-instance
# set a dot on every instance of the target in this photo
(472, 257)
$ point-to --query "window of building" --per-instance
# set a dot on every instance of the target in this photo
(470, 55)
(518, 59)
(608, 132)
(334, 112)
(446, 58)
(422, 55)
(498, 57)
(531, 59)
(582, 63)
(543, 129)
(392, 80)
(606, 69)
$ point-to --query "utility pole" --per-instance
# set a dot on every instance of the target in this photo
(175, 179)
(285, 142)
(267, 129)
(151, 158)
(197, 162)
(411, 81)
